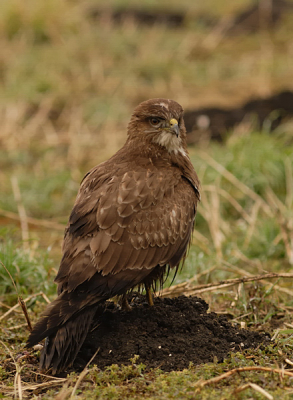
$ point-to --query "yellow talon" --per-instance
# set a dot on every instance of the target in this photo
(149, 296)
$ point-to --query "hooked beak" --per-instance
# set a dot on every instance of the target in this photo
(174, 128)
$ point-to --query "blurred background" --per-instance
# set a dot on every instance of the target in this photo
(71, 73)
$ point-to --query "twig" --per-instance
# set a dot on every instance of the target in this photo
(217, 379)
(17, 305)
(24, 309)
(34, 221)
(246, 273)
(226, 283)
(185, 285)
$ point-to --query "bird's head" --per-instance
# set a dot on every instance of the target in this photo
(159, 121)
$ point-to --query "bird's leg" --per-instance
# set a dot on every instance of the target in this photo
(149, 295)
(124, 303)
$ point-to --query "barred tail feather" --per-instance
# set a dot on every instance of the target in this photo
(61, 348)
(65, 324)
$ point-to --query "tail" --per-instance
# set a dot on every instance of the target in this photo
(65, 326)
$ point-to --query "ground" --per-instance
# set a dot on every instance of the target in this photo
(170, 335)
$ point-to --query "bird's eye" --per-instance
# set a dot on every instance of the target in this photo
(155, 121)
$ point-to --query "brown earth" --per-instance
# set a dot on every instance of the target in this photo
(169, 335)
(251, 19)
(213, 123)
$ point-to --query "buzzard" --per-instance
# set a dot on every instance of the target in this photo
(131, 223)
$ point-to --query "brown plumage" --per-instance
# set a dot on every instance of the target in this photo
(131, 222)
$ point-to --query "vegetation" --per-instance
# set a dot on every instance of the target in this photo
(69, 83)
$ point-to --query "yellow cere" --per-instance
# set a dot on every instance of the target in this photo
(173, 121)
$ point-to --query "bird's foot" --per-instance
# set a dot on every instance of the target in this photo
(149, 296)
(124, 304)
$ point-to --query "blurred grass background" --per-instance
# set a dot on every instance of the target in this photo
(70, 76)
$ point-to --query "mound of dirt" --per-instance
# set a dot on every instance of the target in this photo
(169, 335)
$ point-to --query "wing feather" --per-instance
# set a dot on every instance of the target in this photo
(140, 222)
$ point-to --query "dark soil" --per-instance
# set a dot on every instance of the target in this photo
(258, 16)
(253, 18)
(141, 17)
(214, 123)
(169, 335)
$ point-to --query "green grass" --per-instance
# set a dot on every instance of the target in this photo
(31, 271)
(132, 382)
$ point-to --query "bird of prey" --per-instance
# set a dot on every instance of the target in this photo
(131, 223)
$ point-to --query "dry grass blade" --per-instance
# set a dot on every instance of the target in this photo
(17, 389)
(30, 387)
(289, 182)
(229, 198)
(288, 325)
(4, 305)
(18, 384)
(200, 384)
(201, 242)
(82, 375)
(232, 178)
(11, 328)
(21, 212)
(289, 362)
(251, 228)
(64, 392)
(51, 381)
(256, 387)
(260, 390)
(217, 34)
(285, 222)
(216, 223)
(210, 211)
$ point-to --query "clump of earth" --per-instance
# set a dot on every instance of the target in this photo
(170, 335)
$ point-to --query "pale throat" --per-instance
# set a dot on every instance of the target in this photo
(171, 142)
